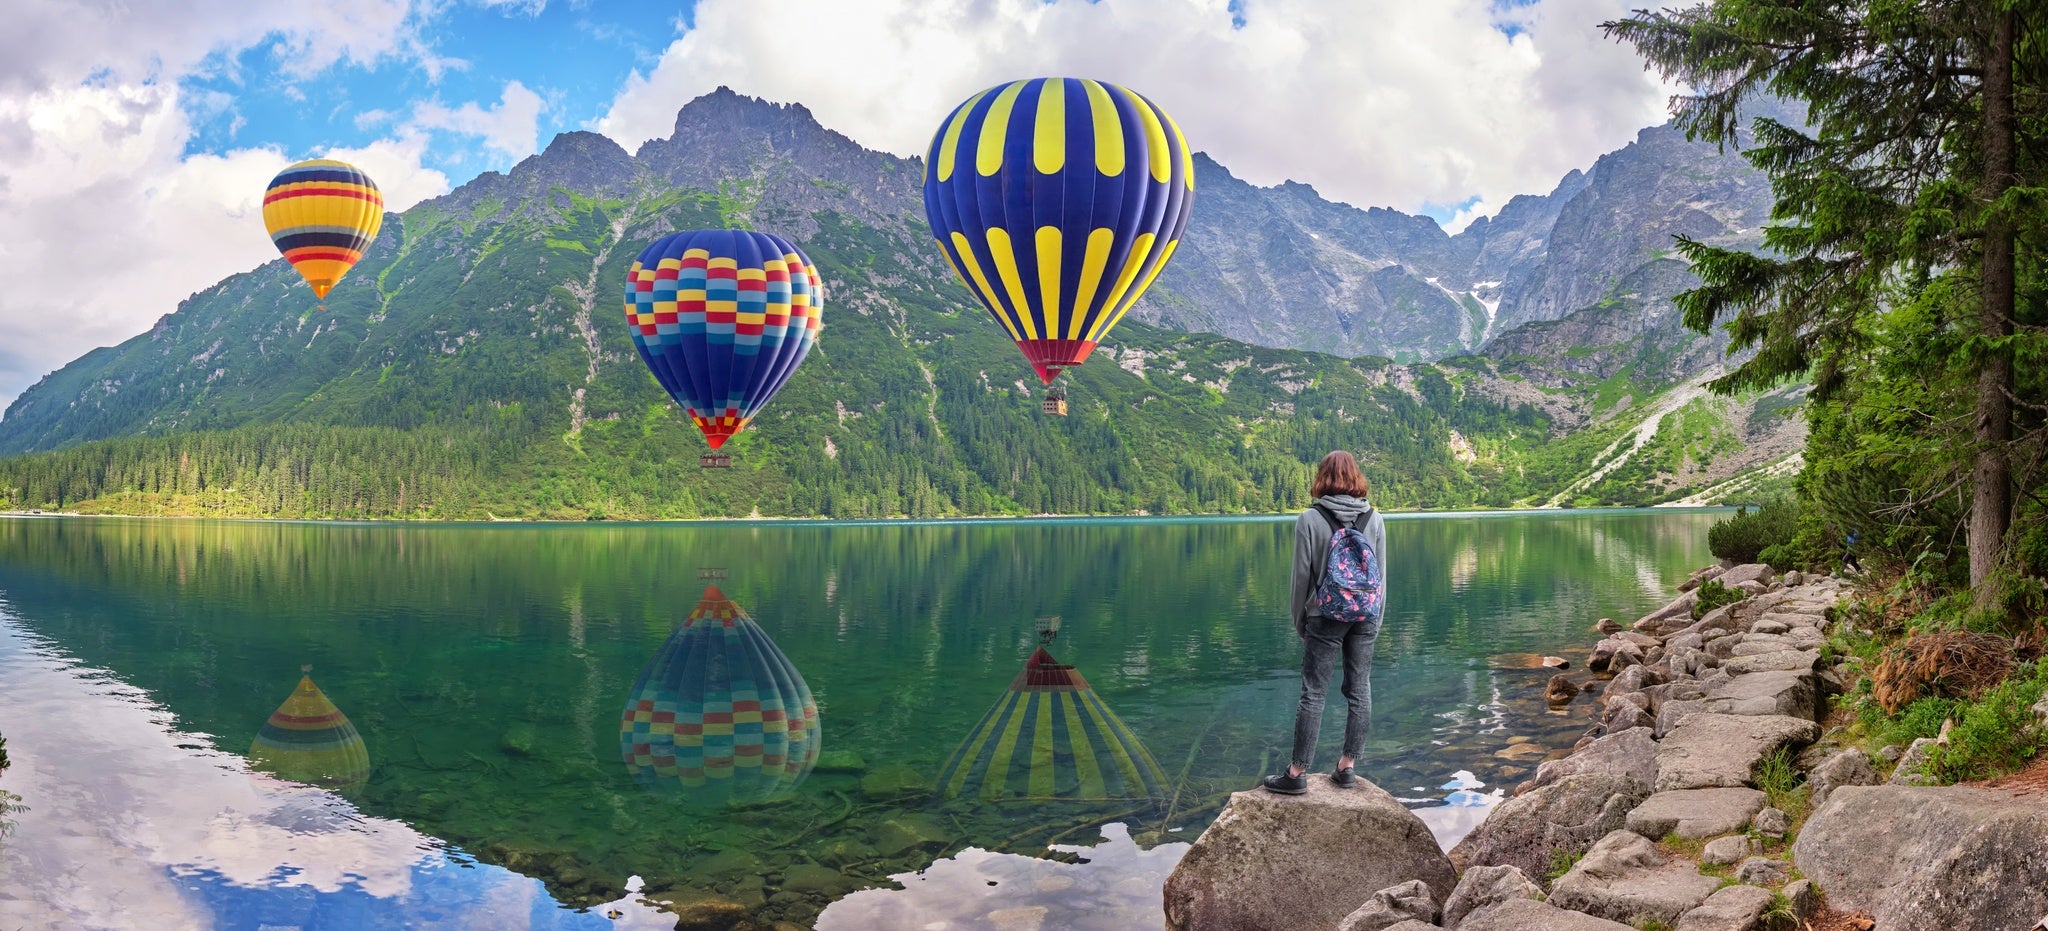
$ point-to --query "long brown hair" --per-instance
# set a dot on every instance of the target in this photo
(1338, 474)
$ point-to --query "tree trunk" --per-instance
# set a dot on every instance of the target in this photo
(1991, 504)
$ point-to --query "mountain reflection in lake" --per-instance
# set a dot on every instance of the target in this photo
(486, 668)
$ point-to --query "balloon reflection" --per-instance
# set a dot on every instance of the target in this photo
(309, 740)
(1051, 737)
(719, 712)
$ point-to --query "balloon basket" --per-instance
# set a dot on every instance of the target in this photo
(1055, 402)
(715, 460)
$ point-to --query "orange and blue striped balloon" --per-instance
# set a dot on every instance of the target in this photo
(722, 318)
(1058, 201)
(322, 214)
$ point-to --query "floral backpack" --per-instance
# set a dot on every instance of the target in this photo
(1350, 587)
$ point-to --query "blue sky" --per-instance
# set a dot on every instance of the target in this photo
(147, 131)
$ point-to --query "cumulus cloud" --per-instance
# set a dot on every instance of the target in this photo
(511, 128)
(115, 223)
(118, 224)
(1374, 102)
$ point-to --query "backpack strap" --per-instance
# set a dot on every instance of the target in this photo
(1330, 517)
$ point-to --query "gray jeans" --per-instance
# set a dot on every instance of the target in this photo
(1323, 642)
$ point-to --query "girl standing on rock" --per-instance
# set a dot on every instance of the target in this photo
(1336, 606)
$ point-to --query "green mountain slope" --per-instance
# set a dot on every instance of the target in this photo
(473, 365)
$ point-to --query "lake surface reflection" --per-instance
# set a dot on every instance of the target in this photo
(766, 718)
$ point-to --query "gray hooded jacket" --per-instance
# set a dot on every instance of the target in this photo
(1312, 548)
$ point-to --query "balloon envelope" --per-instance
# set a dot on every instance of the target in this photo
(720, 712)
(309, 740)
(322, 214)
(1058, 201)
(1051, 737)
(722, 317)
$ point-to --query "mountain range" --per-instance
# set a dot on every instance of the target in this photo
(472, 364)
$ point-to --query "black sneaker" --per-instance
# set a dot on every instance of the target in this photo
(1285, 784)
(1344, 778)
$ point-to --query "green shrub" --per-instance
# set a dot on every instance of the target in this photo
(1561, 862)
(1745, 536)
(1995, 734)
(1713, 594)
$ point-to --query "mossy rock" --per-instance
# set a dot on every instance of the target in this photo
(895, 780)
(841, 761)
(518, 740)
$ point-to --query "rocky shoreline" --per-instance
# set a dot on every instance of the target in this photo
(1710, 796)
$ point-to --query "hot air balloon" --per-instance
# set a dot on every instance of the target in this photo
(723, 317)
(323, 214)
(309, 740)
(1058, 201)
(719, 711)
(1051, 737)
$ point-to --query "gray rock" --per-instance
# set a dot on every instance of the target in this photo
(1723, 647)
(1777, 661)
(1674, 713)
(1910, 772)
(1758, 644)
(1692, 641)
(1841, 768)
(1804, 898)
(1767, 626)
(1890, 754)
(1748, 572)
(1736, 908)
(1627, 753)
(1708, 750)
(1719, 619)
(1624, 878)
(1561, 690)
(1606, 625)
(1794, 577)
(1483, 887)
(1409, 901)
(1930, 859)
(1412, 925)
(1678, 608)
(1762, 871)
(1695, 813)
(2040, 711)
(1791, 694)
(1634, 679)
(1771, 823)
(1271, 861)
(1556, 662)
(1753, 588)
(1624, 714)
(1568, 815)
(1722, 851)
(1530, 915)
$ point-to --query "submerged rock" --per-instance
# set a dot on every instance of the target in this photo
(1561, 690)
(1930, 859)
(1304, 861)
(1624, 878)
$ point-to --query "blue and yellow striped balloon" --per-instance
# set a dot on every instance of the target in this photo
(1058, 201)
(309, 740)
(722, 317)
(322, 214)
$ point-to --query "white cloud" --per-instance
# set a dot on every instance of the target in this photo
(1374, 102)
(123, 225)
(511, 128)
(115, 222)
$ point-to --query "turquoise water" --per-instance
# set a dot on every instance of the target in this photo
(486, 669)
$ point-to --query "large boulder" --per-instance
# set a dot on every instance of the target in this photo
(1568, 815)
(1409, 901)
(1790, 694)
(1774, 661)
(1736, 908)
(1709, 750)
(1628, 753)
(1930, 858)
(1531, 915)
(1483, 887)
(1624, 878)
(1301, 861)
(1696, 813)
